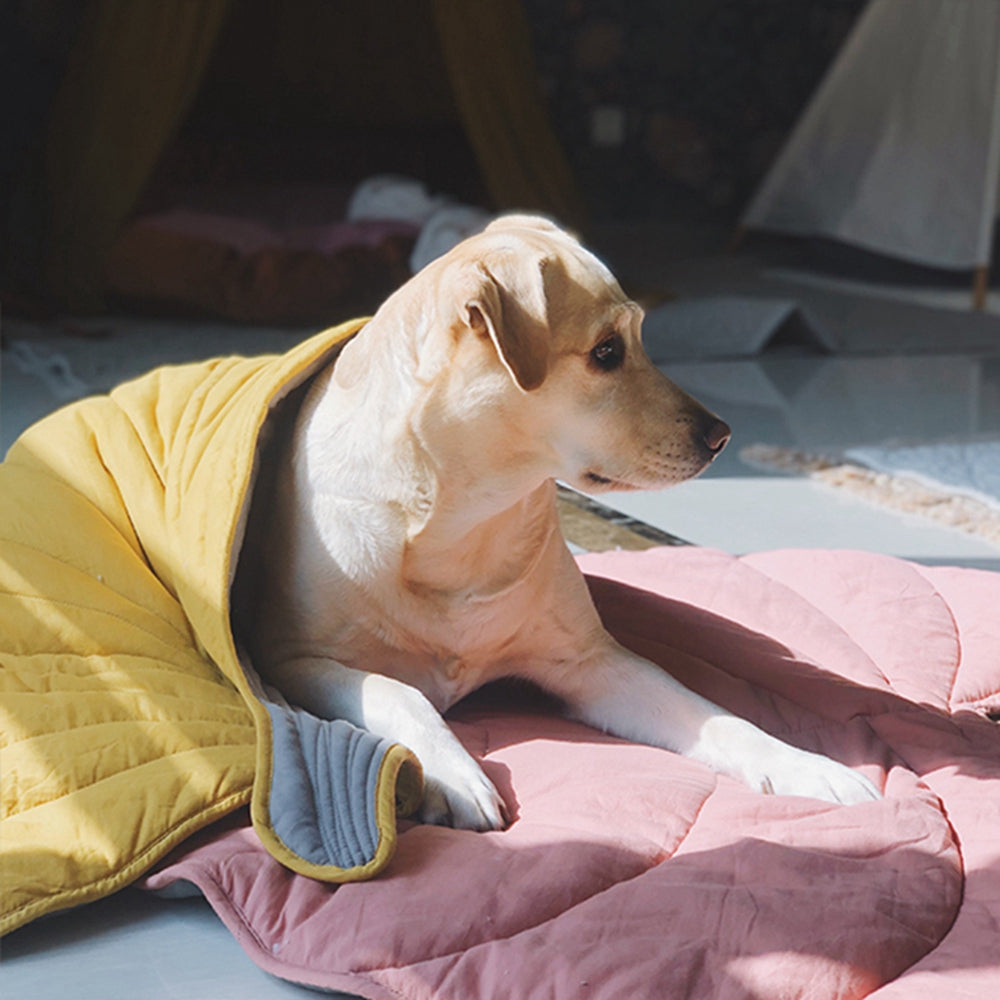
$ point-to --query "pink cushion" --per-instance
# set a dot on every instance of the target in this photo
(631, 872)
(248, 235)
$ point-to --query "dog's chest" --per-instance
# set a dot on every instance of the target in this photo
(444, 651)
(452, 679)
(442, 675)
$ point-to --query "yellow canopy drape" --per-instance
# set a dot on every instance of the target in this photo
(488, 54)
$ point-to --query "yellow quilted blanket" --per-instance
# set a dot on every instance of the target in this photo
(128, 717)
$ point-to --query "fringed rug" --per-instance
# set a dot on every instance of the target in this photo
(955, 483)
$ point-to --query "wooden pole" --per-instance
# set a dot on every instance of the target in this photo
(980, 287)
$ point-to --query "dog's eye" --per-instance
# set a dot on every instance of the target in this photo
(609, 353)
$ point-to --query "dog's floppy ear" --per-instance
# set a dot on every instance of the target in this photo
(511, 308)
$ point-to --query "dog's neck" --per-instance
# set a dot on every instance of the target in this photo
(436, 517)
(439, 560)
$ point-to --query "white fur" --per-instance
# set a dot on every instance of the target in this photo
(414, 551)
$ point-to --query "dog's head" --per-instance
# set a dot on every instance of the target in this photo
(530, 300)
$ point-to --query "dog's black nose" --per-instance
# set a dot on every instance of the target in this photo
(716, 436)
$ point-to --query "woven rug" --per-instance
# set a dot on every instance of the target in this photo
(956, 483)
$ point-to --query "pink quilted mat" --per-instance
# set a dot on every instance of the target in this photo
(633, 873)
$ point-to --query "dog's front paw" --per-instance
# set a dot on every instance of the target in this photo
(798, 772)
(738, 748)
(458, 794)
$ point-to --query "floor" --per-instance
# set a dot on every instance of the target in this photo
(936, 373)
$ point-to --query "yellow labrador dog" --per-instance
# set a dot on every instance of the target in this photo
(414, 552)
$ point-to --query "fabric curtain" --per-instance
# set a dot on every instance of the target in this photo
(133, 73)
(138, 64)
(488, 55)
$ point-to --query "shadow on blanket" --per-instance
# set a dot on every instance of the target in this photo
(638, 872)
(643, 918)
(771, 684)
(641, 873)
(797, 931)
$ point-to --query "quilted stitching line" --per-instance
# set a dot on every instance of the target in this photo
(240, 915)
(663, 855)
(173, 755)
(949, 698)
(151, 665)
(839, 627)
(51, 603)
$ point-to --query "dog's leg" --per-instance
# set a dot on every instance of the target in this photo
(456, 792)
(624, 694)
